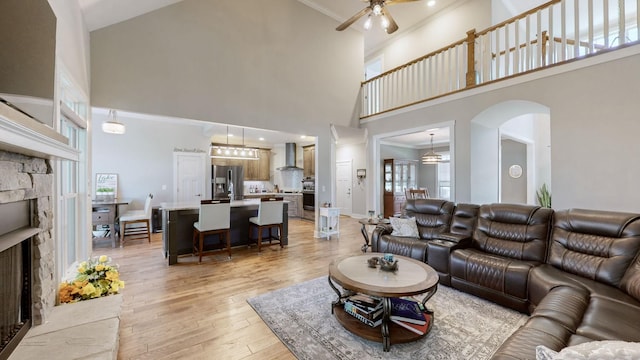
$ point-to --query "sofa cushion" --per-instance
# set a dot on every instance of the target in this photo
(597, 245)
(414, 248)
(504, 275)
(545, 277)
(433, 216)
(608, 318)
(513, 231)
(404, 227)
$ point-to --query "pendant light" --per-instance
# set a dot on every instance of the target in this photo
(112, 126)
(430, 157)
(218, 151)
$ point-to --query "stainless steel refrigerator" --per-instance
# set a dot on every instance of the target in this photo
(227, 181)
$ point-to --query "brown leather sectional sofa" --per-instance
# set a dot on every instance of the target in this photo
(576, 272)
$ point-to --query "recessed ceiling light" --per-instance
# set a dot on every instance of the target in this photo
(431, 3)
(261, 139)
(302, 136)
(230, 135)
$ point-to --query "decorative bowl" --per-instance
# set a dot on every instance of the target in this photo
(388, 265)
(373, 262)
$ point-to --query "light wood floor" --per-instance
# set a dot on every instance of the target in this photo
(191, 311)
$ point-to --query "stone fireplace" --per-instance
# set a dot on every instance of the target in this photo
(27, 148)
(26, 185)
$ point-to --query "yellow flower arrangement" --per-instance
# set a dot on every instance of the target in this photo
(96, 277)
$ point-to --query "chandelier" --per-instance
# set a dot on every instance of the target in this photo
(226, 151)
(430, 157)
(112, 126)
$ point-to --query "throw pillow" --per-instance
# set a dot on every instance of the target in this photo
(601, 350)
(404, 227)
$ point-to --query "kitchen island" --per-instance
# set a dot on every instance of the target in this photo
(178, 219)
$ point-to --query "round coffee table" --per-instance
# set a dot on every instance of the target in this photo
(354, 275)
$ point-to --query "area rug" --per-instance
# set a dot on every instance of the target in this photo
(465, 327)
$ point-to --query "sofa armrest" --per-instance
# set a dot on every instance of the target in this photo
(382, 229)
(455, 238)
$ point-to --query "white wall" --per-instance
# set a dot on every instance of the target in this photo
(448, 26)
(593, 113)
(72, 41)
(143, 156)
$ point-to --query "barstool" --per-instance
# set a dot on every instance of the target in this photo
(136, 216)
(269, 216)
(214, 218)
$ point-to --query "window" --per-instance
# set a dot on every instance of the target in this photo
(71, 181)
(444, 176)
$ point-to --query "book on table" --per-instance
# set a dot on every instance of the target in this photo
(366, 301)
(366, 309)
(418, 329)
(408, 311)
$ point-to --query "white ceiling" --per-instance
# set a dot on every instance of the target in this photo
(102, 13)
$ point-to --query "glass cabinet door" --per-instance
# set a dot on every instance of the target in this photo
(388, 176)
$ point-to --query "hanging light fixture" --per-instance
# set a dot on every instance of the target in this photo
(222, 151)
(430, 157)
(112, 126)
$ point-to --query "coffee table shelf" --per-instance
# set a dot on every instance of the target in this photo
(397, 333)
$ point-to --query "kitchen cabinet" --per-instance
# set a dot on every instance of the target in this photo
(295, 204)
(309, 160)
(399, 175)
(254, 170)
(294, 200)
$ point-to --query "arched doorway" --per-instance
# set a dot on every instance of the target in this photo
(513, 125)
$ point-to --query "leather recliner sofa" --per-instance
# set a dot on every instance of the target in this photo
(576, 272)
(589, 287)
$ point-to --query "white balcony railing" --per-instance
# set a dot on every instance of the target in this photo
(556, 32)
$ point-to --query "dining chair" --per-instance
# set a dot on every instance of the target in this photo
(417, 193)
(269, 217)
(131, 217)
(214, 218)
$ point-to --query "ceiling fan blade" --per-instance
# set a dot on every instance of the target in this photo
(392, 23)
(391, 2)
(354, 18)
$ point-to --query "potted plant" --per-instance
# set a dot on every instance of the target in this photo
(544, 196)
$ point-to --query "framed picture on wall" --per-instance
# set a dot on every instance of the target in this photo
(106, 186)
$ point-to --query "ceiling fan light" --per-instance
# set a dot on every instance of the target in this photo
(367, 24)
(385, 22)
(377, 9)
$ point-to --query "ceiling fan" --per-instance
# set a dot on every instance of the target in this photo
(376, 8)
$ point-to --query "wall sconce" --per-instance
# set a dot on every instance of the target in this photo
(361, 174)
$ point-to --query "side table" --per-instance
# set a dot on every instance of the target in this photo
(365, 233)
(328, 217)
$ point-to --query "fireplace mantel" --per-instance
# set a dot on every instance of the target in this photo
(21, 134)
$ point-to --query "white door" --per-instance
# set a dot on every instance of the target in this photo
(188, 176)
(344, 180)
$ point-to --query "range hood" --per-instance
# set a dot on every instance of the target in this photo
(289, 157)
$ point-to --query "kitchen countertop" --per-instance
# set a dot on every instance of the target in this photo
(272, 194)
(170, 206)
(196, 205)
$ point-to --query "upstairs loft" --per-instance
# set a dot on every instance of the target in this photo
(554, 33)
